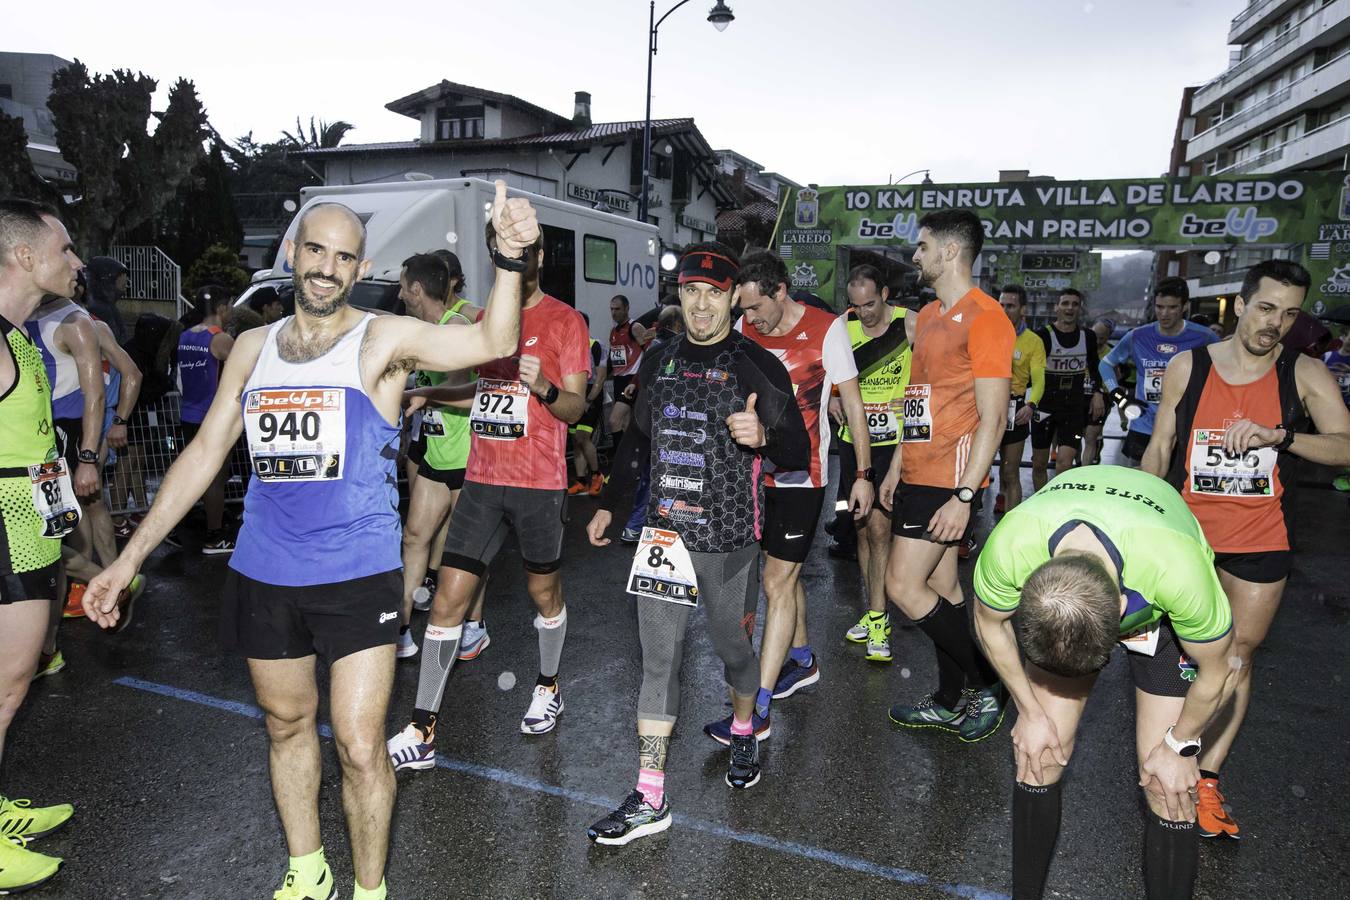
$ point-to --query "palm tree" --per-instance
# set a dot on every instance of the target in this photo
(321, 136)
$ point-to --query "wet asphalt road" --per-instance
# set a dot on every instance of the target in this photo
(151, 735)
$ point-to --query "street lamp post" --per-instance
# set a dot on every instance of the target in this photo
(720, 16)
(926, 179)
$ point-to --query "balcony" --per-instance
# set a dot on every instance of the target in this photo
(1326, 26)
(1248, 23)
(1316, 148)
(1315, 89)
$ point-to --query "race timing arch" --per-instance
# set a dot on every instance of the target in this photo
(1045, 223)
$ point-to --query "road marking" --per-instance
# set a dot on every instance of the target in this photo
(513, 779)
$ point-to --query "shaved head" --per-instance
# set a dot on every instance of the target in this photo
(327, 212)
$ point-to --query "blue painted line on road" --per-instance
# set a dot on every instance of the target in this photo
(513, 779)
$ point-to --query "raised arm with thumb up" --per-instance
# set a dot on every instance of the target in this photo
(745, 426)
(514, 221)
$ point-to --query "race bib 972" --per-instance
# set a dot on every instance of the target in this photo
(501, 410)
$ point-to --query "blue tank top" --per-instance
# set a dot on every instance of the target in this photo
(198, 373)
(1152, 351)
(62, 374)
(322, 506)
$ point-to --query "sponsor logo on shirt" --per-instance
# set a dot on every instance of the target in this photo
(957, 317)
(801, 336)
(532, 341)
(681, 483)
(717, 375)
(698, 437)
(683, 458)
(1167, 348)
(671, 411)
(679, 511)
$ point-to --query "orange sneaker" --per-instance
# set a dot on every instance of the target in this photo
(74, 608)
(577, 487)
(1210, 815)
(597, 484)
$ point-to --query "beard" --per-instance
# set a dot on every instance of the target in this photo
(1255, 349)
(313, 306)
(929, 276)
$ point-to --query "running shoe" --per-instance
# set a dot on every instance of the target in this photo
(49, 664)
(126, 604)
(545, 707)
(123, 527)
(630, 536)
(218, 544)
(858, 633)
(1213, 819)
(22, 869)
(474, 640)
(407, 750)
(74, 608)
(983, 714)
(293, 888)
(597, 485)
(879, 638)
(743, 769)
(424, 594)
(634, 818)
(965, 548)
(174, 539)
(576, 487)
(928, 713)
(407, 647)
(21, 819)
(720, 730)
(794, 676)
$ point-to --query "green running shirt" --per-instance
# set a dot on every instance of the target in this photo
(1166, 565)
(26, 439)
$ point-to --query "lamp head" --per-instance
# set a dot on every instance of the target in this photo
(721, 16)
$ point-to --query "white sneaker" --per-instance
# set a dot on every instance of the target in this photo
(407, 647)
(473, 640)
(858, 633)
(406, 750)
(545, 707)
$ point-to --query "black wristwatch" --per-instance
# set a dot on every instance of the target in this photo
(118, 420)
(867, 474)
(88, 456)
(550, 395)
(505, 262)
(965, 494)
(1288, 439)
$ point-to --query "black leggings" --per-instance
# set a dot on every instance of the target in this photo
(728, 587)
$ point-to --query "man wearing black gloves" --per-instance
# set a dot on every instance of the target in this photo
(710, 408)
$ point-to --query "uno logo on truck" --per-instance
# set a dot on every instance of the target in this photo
(637, 275)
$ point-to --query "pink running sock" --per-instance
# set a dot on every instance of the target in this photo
(652, 784)
(740, 726)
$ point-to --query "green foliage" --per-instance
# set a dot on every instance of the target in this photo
(201, 214)
(126, 175)
(218, 264)
(17, 177)
(322, 136)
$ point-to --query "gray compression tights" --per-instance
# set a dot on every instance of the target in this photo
(728, 585)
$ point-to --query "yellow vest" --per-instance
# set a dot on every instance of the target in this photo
(882, 390)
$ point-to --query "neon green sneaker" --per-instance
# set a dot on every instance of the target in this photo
(49, 664)
(858, 633)
(21, 869)
(293, 888)
(21, 819)
(878, 638)
(1341, 482)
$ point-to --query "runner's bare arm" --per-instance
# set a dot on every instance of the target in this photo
(1213, 686)
(120, 360)
(456, 395)
(80, 338)
(851, 397)
(1158, 455)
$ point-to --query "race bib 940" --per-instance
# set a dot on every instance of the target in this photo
(296, 434)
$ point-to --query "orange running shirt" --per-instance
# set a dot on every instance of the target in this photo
(974, 339)
(1238, 500)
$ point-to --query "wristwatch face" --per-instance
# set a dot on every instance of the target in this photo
(965, 494)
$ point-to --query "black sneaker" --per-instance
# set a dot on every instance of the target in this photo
(173, 539)
(743, 770)
(217, 544)
(635, 818)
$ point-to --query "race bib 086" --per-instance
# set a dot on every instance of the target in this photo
(296, 434)
(918, 413)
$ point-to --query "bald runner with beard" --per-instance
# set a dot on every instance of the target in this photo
(318, 396)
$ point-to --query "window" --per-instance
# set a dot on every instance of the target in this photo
(601, 260)
(558, 277)
(459, 123)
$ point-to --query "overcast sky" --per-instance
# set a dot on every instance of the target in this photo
(832, 92)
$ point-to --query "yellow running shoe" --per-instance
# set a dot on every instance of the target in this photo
(49, 664)
(21, 869)
(294, 888)
(21, 819)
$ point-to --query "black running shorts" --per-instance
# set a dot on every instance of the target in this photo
(1258, 568)
(848, 467)
(451, 478)
(1168, 672)
(484, 514)
(916, 504)
(790, 518)
(269, 621)
(1134, 445)
(621, 383)
(38, 584)
(417, 450)
(1059, 426)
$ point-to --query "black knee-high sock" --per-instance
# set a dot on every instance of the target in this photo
(1171, 858)
(949, 630)
(1035, 818)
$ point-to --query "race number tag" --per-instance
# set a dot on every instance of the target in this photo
(880, 422)
(296, 434)
(1215, 472)
(501, 410)
(918, 413)
(1153, 378)
(1144, 642)
(662, 569)
(618, 356)
(1014, 405)
(432, 423)
(54, 498)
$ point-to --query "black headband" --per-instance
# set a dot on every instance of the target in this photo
(715, 269)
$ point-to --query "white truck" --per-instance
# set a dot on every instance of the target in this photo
(589, 256)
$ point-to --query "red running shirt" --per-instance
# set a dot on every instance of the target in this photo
(817, 355)
(556, 333)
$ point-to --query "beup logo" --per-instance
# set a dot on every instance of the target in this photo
(1244, 224)
(903, 228)
(808, 209)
